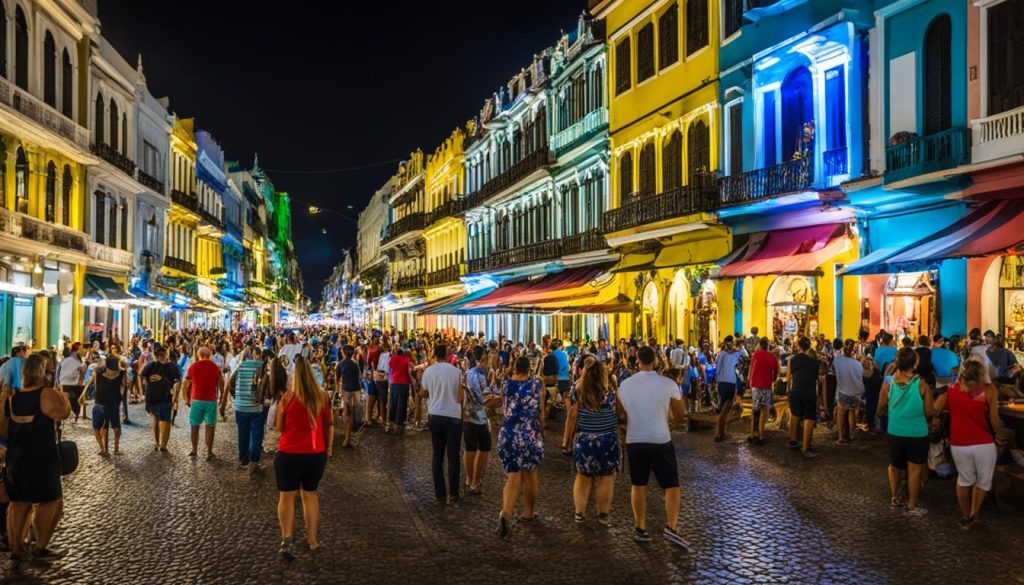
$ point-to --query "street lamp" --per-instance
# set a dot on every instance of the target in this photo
(314, 210)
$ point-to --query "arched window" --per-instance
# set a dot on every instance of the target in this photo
(124, 224)
(938, 74)
(672, 162)
(114, 118)
(124, 134)
(797, 110)
(100, 215)
(66, 85)
(98, 120)
(20, 49)
(21, 181)
(65, 198)
(112, 223)
(3, 41)
(50, 70)
(51, 192)
(646, 177)
(626, 175)
(698, 149)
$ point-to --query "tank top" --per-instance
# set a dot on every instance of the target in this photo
(906, 409)
(108, 390)
(968, 420)
(298, 437)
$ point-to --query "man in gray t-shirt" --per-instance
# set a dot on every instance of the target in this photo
(850, 374)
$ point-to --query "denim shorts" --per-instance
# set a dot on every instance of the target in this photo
(106, 416)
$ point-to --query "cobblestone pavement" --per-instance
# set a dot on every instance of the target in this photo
(752, 514)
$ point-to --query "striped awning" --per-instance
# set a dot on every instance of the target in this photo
(789, 251)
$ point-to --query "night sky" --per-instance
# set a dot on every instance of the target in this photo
(311, 90)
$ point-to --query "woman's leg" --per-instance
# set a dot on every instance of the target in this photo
(581, 492)
(46, 522)
(471, 468)
(311, 516)
(895, 475)
(511, 493)
(977, 499)
(156, 429)
(605, 489)
(286, 513)
(17, 518)
(531, 486)
(963, 498)
(913, 483)
(481, 464)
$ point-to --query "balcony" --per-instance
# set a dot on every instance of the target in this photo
(180, 265)
(38, 111)
(112, 156)
(699, 196)
(446, 275)
(788, 177)
(408, 282)
(579, 132)
(208, 217)
(538, 159)
(917, 155)
(835, 162)
(189, 202)
(149, 182)
(110, 255)
(589, 241)
(449, 208)
(22, 226)
(409, 223)
(998, 136)
(528, 254)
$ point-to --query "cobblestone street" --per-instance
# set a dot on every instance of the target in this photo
(753, 515)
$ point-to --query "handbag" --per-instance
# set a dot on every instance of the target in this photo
(272, 416)
(67, 454)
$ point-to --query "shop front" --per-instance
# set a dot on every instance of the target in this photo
(793, 306)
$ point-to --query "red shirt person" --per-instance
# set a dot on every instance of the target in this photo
(204, 382)
(764, 370)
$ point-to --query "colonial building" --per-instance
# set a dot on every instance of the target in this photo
(403, 242)
(179, 272)
(445, 232)
(372, 265)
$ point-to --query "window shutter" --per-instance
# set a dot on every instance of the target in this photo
(937, 76)
(736, 139)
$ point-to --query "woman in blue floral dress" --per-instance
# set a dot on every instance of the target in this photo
(520, 442)
(594, 418)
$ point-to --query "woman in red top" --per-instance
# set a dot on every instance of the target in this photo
(973, 414)
(306, 425)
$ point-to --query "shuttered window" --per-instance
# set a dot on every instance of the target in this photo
(626, 175)
(698, 149)
(647, 169)
(672, 162)
(736, 138)
(622, 63)
(938, 76)
(645, 52)
(696, 25)
(732, 18)
(1005, 56)
(668, 37)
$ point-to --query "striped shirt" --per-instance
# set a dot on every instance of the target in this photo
(245, 395)
(605, 420)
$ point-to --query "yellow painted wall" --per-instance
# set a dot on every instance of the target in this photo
(726, 307)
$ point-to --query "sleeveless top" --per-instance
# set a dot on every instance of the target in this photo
(906, 409)
(298, 436)
(33, 464)
(968, 420)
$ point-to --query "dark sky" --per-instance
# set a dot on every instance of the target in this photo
(311, 90)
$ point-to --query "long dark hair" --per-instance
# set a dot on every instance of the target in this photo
(593, 386)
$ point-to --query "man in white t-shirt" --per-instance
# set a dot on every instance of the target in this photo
(442, 385)
(291, 349)
(648, 398)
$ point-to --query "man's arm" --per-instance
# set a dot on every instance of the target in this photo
(678, 407)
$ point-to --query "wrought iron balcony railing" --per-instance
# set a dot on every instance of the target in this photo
(445, 275)
(835, 161)
(147, 180)
(210, 218)
(409, 223)
(408, 282)
(537, 159)
(636, 209)
(189, 202)
(589, 241)
(926, 154)
(103, 253)
(40, 112)
(537, 252)
(450, 208)
(21, 226)
(788, 177)
(112, 156)
(180, 265)
(580, 131)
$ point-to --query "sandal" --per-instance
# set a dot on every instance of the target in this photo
(897, 502)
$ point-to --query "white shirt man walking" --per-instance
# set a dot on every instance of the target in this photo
(442, 384)
(647, 398)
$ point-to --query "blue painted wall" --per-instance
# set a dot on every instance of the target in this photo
(953, 297)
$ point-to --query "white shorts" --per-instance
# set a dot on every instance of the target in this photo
(975, 465)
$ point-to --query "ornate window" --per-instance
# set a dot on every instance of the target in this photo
(672, 162)
(100, 213)
(668, 37)
(622, 66)
(20, 49)
(698, 149)
(645, 52)
(938, 73)
(1005, 57)
(124, 134)
(21, 182)
(626, 175)
(98, 122)
(51, 192)
(114, 118)
(646, 177)
(66, 85)
(50, 70)
(696, 25)
(65, 199)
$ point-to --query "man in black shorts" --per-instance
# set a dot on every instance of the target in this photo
(348, 377)
(648, 398)
(805, 376)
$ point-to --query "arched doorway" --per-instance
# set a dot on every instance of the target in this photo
(793, 307)
(705, 313)
(677, 308)
(1011, 300)
(909, 305)
(649, 311)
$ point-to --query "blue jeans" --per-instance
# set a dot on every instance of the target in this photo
(399, 403)
(251, 426)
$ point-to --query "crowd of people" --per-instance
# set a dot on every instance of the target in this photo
(616, 404)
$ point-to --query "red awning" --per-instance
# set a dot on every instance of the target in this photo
(539, 290)
(791, 251)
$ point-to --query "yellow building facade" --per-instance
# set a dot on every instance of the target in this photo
(180, 250)
(664, 127)
(445, 234)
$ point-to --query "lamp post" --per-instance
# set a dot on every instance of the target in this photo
(314, 210)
